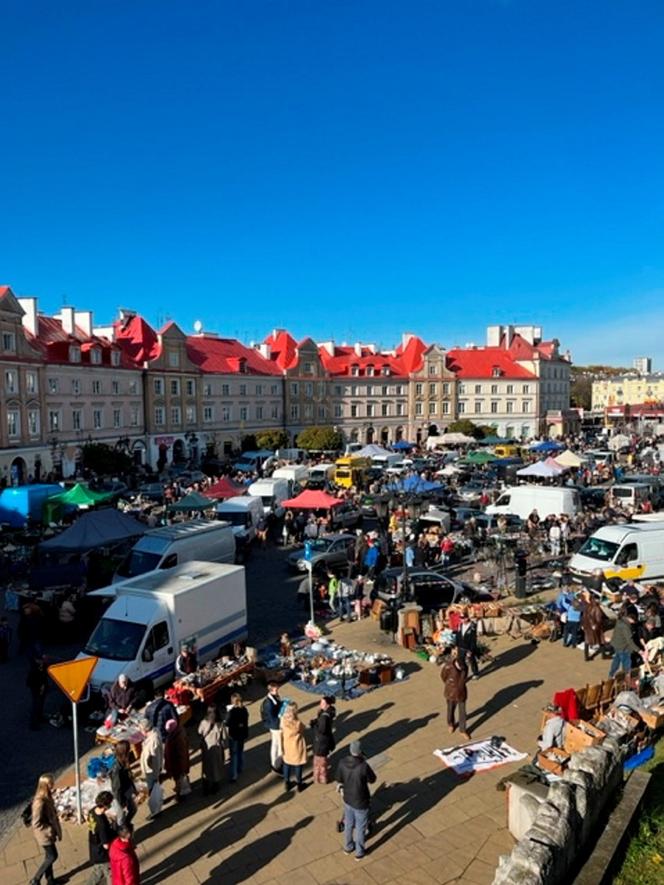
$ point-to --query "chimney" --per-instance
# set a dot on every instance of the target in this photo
(66, 317)
(29, 318)
(327, 346)
(83, 319)
(357, 347)
(493, 335)
(264, 350)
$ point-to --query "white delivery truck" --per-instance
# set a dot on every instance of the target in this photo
(143, 629)
(172, 545)
(547, 500)
(243, 512)
(321, 475)
(271, 492)
(382, 462)
(632, 552)
(295, 474)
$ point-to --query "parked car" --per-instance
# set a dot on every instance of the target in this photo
(430, 588)
(461, 515)
(489, 522)
(327, 551)
(346, 516)
(153, 491)
(471, 492)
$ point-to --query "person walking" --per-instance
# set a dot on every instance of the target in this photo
(592, 623)
(176, 758)
(622, 642)
(237, 725)
(323, 742)
(211, 734)
(270, 709)
(465, 639)
(295, 748)
(101, 833)
(45, 827)
(454, 674)
(572, 624)
(354, 774)
(555, 536)
(152, 754)
(125, 869)
(122, 784)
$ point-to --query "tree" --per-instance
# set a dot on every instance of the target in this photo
(249, 443)
(276, 438)
(320, 438)
(104, 459)
(466, 426)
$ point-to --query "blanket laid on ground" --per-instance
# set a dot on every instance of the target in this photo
(478, 756)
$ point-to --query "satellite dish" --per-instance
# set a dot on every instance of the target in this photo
(198, 327)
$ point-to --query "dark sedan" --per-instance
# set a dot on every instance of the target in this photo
(429, 588)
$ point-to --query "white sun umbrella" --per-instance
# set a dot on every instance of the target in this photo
(568, 458)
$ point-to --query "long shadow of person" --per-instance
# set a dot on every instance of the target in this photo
(380, 740)
(347, 722)
(499, 701)
(513, 655)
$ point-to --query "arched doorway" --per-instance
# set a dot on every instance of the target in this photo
(433, 430)
(138, 453)
(384, 436)
(398, 434)
(418, 438)
(18, 472)
(179, 454)
(354, 435)
(370, 435)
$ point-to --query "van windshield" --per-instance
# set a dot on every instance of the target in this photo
(116, 640)
(598, 548)
(138, 562)
(267, 500)
(622, 493)
(235, 517)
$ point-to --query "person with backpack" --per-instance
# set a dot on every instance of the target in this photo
(45, 827)
(101, 832)
(270, 718)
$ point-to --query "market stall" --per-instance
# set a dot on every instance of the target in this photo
(208, 680)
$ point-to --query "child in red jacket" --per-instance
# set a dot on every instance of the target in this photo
(124, 860)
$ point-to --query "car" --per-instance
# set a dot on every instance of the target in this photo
(461, 515)
(346, 516)
(489, 521)
(430, 588)
(471, 492)
(370, 505)
(328, 551)
(152, 491)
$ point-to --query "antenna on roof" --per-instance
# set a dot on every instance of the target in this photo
(198, 327)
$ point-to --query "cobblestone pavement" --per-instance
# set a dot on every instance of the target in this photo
(431, 826)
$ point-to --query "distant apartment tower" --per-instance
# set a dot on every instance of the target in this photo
(643, 365)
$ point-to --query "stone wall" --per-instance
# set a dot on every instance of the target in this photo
(567, 820)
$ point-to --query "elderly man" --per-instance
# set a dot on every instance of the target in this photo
(186, 662)
(122, 696)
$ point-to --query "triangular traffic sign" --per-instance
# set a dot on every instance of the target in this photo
(72, 677)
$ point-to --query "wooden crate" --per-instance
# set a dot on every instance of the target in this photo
(553, 760)
(579, 735)
(654, 717)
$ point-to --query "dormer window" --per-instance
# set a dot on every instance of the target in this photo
(74, 354)
(173, 359)
(242, 365)
(496, 372)
(115, 357)
(355, 371)
(370, 371)
(95, 356)
(385, 370)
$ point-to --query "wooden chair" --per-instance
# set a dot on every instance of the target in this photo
(581, 695)
(593, 694)
(607, 693)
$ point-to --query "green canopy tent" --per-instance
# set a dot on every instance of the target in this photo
(79, 496)
(479, 457)
(194, 502)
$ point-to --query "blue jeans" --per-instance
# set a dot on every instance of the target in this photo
(295, 770)
(355, 818)
(571, 633)
(622, 660)
(237, 757)
(345, 607)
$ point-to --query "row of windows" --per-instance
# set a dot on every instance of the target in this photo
(369, 390)
(260, 413)
(14, 423)
(308, 388)
(494, 407)
(370, 410)
(98, 419)
(12, 382)
(97, 387)
(159, 387)
(494, 389)
(432, 389)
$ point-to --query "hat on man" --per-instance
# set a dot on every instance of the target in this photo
(355, 748)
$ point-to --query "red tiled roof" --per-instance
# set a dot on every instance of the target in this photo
(520, 349)
(412, 353)
(283, 348)
(225, 355)
(345, 358)
(138, 340)
(480, 362)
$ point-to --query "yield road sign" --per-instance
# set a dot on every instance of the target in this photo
(72, 677)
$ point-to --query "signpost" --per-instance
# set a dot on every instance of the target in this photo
(72, 679)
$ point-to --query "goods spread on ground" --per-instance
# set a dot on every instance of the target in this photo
(205, 682)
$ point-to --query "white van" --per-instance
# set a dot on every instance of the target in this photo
(547, 500)
(142, 631)
(385, 461)
(630, 495)
(631, 552)
(243, 512)
(601, 457)
(174, 544)
(321, 475)
(272, 493)
(291, 455)
(295, 474)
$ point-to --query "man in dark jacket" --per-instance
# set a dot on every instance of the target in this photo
(323, 742)
(354, 775)
(455, 675)
(160, 711)
(623, 642)
(270, 719)
(465, 639)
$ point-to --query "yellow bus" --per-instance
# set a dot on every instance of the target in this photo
(350, 470)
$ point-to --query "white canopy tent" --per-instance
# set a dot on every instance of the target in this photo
(450, 439)
(373, 451)
(540, 469)
(568, 458)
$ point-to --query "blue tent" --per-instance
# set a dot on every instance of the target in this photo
(17, 504)
(403, 445)
(547, 446)
(415, 485)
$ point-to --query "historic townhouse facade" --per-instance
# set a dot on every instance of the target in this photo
(305, 379)
(432, 395)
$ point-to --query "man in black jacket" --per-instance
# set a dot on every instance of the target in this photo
(354, 775)
(465, 639)
(323, 742)
(270, 719)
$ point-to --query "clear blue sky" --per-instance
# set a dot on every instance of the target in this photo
(345, 168)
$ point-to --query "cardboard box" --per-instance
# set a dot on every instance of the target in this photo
(553, 760)
(653, 717)
(579, 735)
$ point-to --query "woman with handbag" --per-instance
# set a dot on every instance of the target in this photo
(176, 758)
(45, 827)
(295, 748)
(212, 742)
(122, 784)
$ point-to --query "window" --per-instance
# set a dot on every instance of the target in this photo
(338, 410)
(244, 413)
(308, 389)
(418, 389)
(115, 357)
(117, 418)
(494, 389)
(446, 389)
(158, 386)
(433, 389)
(370, 410)
(133, 417)
(190, 387)
(510, 388)
(133, 388)
(74, 354)
(478, 388)
(433, 368)
(308, 411)
(97, 422)
(33, 422)
(208, 414)
(321, 411)
(275, 411)
(207, 390)
(8, 341)
(355, 370)
(225, 390)
(294, 412)
(96, 388)
(13, 423)
(462, 389)
(461, 408)
(478, 406)
(31, 382)
(446, 408)
(400, 411)
(190, 414)
(433, 407)
(76, 422)
(525, 407)
(274, 389)
(176, 415)
(494, 407)
(400, 390)
(294, 388)
(259, 413)
(526, 388)
(115, 388)
(509, 408)
(11, 381)
(243, 389)
(353, 410)
(226, 414)
(495, 372)
(384, 390)
(157, 638)
(53, 420)
(53, 385)
(385, 370)
(308, 369)
(384, 409)
(337, 389)
(259, 390)
(95, 356)
(370, 371)
(159, 416)
(419, 409)
(175, 387)
(173, 359)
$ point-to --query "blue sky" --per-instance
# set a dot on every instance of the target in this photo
(344, 168)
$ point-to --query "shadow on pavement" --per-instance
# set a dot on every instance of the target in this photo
(499, 701)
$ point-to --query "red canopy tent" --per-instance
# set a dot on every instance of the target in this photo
(224, 488)
(312, 500)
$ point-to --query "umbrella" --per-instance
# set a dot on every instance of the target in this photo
(194, 502)
(479, 457)
(541, 469)
(415, 485)
(551, 462)
(455, 439)
(310, 499)
(224, 488)
(568, 459)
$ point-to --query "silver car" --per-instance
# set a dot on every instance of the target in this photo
(328, 551)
